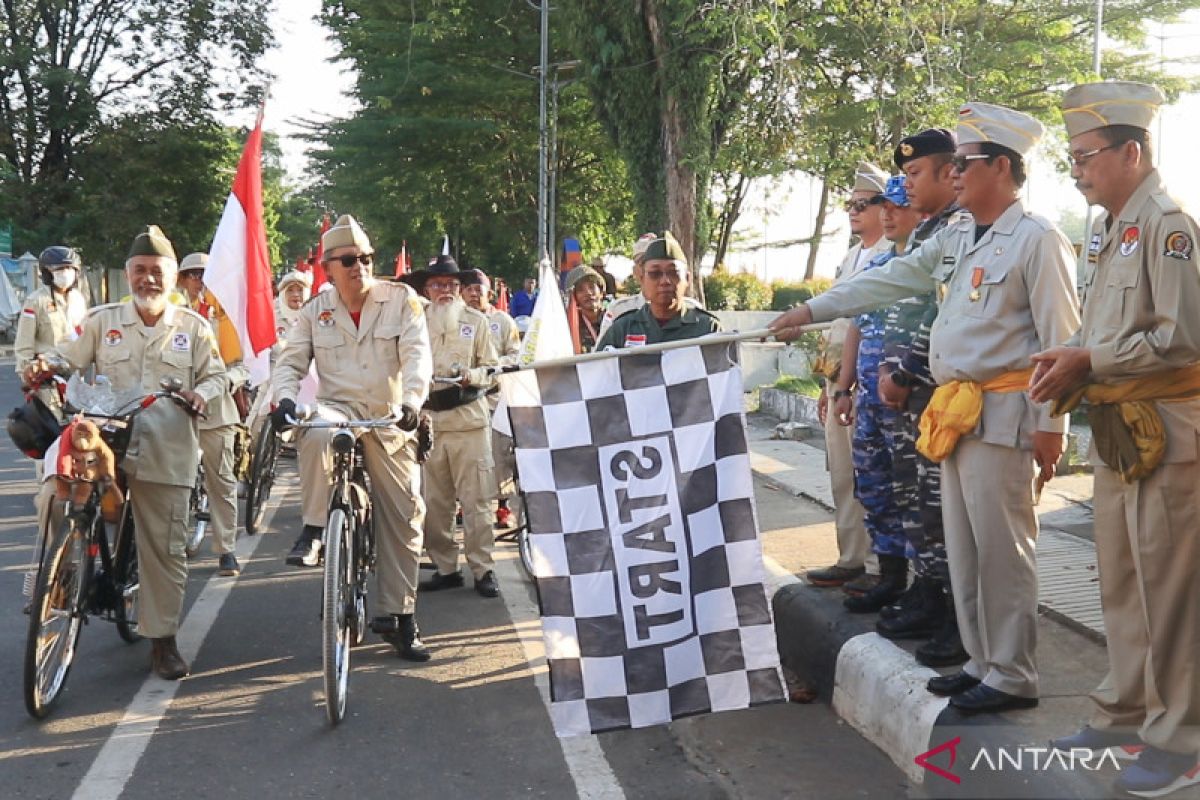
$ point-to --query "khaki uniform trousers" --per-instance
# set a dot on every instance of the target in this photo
(216, 448)
(504, 459)
(460, 466)
(991, 546)
(854, 545)
(399, 511)
(1148, 549)
(160, 514)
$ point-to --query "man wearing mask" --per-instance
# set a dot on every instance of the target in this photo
(136, 344)
(1005, 278)
(857, 569)
(1137, 362)
(368, 341)
(460, 465)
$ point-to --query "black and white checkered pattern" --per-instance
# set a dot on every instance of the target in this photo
(582, 434)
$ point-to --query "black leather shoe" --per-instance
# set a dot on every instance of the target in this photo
(832, 576)
(439, 581)
(306, 552)
(487, 585)
(401, 631)
(985, 698)
(947, 685)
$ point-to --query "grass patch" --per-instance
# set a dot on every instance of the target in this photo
(797, 385)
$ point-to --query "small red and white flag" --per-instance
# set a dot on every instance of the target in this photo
(403, 262)
(239, 264)
(319, 276)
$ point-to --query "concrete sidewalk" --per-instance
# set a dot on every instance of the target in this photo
(877, 686)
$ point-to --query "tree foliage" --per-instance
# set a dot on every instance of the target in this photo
(445, 139)
(70, 69)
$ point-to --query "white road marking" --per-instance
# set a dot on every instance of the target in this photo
(589, 767)
(117, 759)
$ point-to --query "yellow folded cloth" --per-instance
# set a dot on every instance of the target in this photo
(1126, 427)
(954, 410)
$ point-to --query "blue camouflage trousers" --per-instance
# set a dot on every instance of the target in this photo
(918, 485)
(875, 484)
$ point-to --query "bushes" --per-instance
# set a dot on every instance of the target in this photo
(787, 295)
(736, 292)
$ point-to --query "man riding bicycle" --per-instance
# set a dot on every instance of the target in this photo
(371, 349)
(136, 344)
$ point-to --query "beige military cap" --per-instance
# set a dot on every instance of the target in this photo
(869, 178)
(1098, 105)
(345, 233)
(984, 122)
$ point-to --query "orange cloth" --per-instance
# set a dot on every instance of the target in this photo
(955, 409)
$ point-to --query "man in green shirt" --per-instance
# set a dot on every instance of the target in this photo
(665, 317)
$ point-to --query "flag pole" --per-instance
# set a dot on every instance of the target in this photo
(731, 337)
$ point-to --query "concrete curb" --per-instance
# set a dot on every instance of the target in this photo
(879, 689)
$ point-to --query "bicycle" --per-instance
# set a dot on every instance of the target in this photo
(349, 554)
(262, 475)
(198, 511)
(70, 586)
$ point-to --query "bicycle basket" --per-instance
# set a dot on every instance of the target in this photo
(33, 428)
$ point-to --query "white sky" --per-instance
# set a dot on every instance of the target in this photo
(308, 86)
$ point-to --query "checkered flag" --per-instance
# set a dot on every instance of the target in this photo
(636, 475)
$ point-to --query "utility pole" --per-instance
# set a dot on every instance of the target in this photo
(552, 168)
(543, 62)
(1087, 218)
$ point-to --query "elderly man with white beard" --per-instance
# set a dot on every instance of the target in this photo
(460, 465)
(136, 344)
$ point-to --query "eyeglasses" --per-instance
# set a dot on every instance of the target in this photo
(442, 286)
(960, 163)
(857, 206)
(348, 261)
(1079, 159)
(654, 275)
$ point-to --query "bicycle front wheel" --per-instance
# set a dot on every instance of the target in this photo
(199, 516)
(336, 633)
(262, 476)
(56, 613)
(525, 550)
(126, 612)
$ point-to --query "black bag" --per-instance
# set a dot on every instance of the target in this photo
(33, 427)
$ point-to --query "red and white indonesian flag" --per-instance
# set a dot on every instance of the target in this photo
(239, 266)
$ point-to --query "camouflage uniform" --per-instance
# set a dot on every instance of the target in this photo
(874, 482)
(917, 485)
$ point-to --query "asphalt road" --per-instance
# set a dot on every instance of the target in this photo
(249, 722)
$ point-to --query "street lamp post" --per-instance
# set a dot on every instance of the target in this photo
(542, 63)
(552, 164)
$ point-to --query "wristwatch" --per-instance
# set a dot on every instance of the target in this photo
(838, 394)
(901, 378)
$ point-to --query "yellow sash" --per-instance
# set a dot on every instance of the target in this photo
(955, 408)
(1126, 427)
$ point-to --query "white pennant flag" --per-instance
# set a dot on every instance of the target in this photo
(548, 336)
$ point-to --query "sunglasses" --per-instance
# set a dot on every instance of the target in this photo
(654, 275)
(348, 261)
(960, 163)
(442, 286)
(858, 206)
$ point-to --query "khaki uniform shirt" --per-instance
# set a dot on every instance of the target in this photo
(641, 328)
(164, 443)
(506, 338)
(468, 350)
(1001, 299)
(853, 264)
(365, 371)
(222, 410)
(1141, 302)
(46, 320)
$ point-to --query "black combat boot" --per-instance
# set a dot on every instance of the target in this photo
(911, 599)
(922, 620)
(893, 579)
(401, 631)
(945, 648)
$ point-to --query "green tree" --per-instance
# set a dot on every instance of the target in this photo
(445, 135)
(142, 169)
(70, 67)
